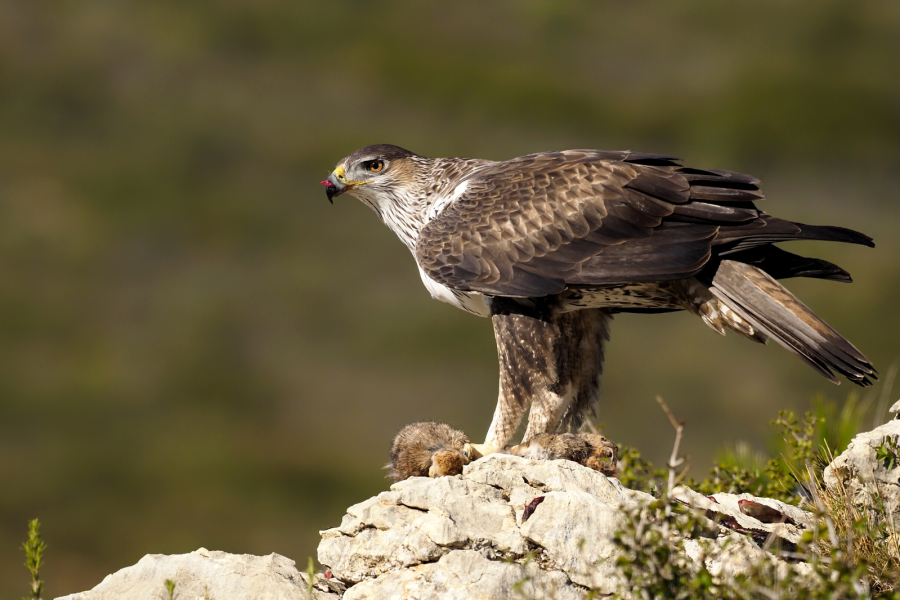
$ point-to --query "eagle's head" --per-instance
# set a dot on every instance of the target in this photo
(372, 173)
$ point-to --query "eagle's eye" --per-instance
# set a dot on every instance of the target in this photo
(374, 166)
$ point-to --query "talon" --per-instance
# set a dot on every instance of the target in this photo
(476, 451)
(471, 452)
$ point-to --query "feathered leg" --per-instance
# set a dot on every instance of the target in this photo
(549, 361)
(579, 354)
(525, 345)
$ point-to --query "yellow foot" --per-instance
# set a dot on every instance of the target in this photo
(476, 451)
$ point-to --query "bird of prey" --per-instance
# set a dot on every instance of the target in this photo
(551, 245)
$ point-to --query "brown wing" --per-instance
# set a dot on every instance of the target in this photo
(533, 225)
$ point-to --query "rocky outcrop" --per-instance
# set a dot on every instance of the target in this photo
(508, 527)
(210, 575)
(421, 520)
(467, 574)
(524, 525)
(864, 476)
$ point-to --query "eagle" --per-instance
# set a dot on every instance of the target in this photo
(551, 245)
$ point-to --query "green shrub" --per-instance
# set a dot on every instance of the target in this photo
(852, 553)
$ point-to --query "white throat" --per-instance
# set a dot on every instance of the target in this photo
(406, 216)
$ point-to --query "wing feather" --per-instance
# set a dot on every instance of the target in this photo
(549, 214)
(667, 186)
(531, 226)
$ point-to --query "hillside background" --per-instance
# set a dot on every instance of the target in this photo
(196, 349)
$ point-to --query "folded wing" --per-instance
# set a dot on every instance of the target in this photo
(534, 225)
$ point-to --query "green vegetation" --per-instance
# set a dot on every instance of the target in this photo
(654, 564)
(889, 451)
(853, 553)
(796, 445)
(653, 561)
(310, 577)
(34, 557)
(170, 588)
(862, 540)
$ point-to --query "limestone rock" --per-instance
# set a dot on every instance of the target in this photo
(424, 520)
(418, 521)
(207, 574)
(862, 475)
(467, 574)
(575, 532)
(469, 536)
(727, 505)
(506, 527)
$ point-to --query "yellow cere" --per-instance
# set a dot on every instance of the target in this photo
(339, 173)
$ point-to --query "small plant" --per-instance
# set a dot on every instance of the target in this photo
(310, 577)
(34, 556)
(888, 453)
(170, 588)
(637, 473)
(862, 534)
(741, 471)
(653, 561)
(799, 438)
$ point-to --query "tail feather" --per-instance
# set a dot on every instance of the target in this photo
(769, 230)
(782, 264)
(770, 308)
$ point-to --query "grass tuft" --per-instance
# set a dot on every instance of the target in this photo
(34, 557)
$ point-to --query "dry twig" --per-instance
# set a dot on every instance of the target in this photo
(675, 461)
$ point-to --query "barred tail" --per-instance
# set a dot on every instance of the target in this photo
(775, 312)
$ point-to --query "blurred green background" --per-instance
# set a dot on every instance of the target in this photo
(196, 349)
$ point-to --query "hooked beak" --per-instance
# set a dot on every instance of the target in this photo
(337, 183)
(333, 187)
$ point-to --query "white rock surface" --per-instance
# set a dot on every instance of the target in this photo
(466, 575)
(418, 539)
(421, 520)
(727, 504)
(575, 532)
(206, 574)
(862, 475)
(464, 537)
